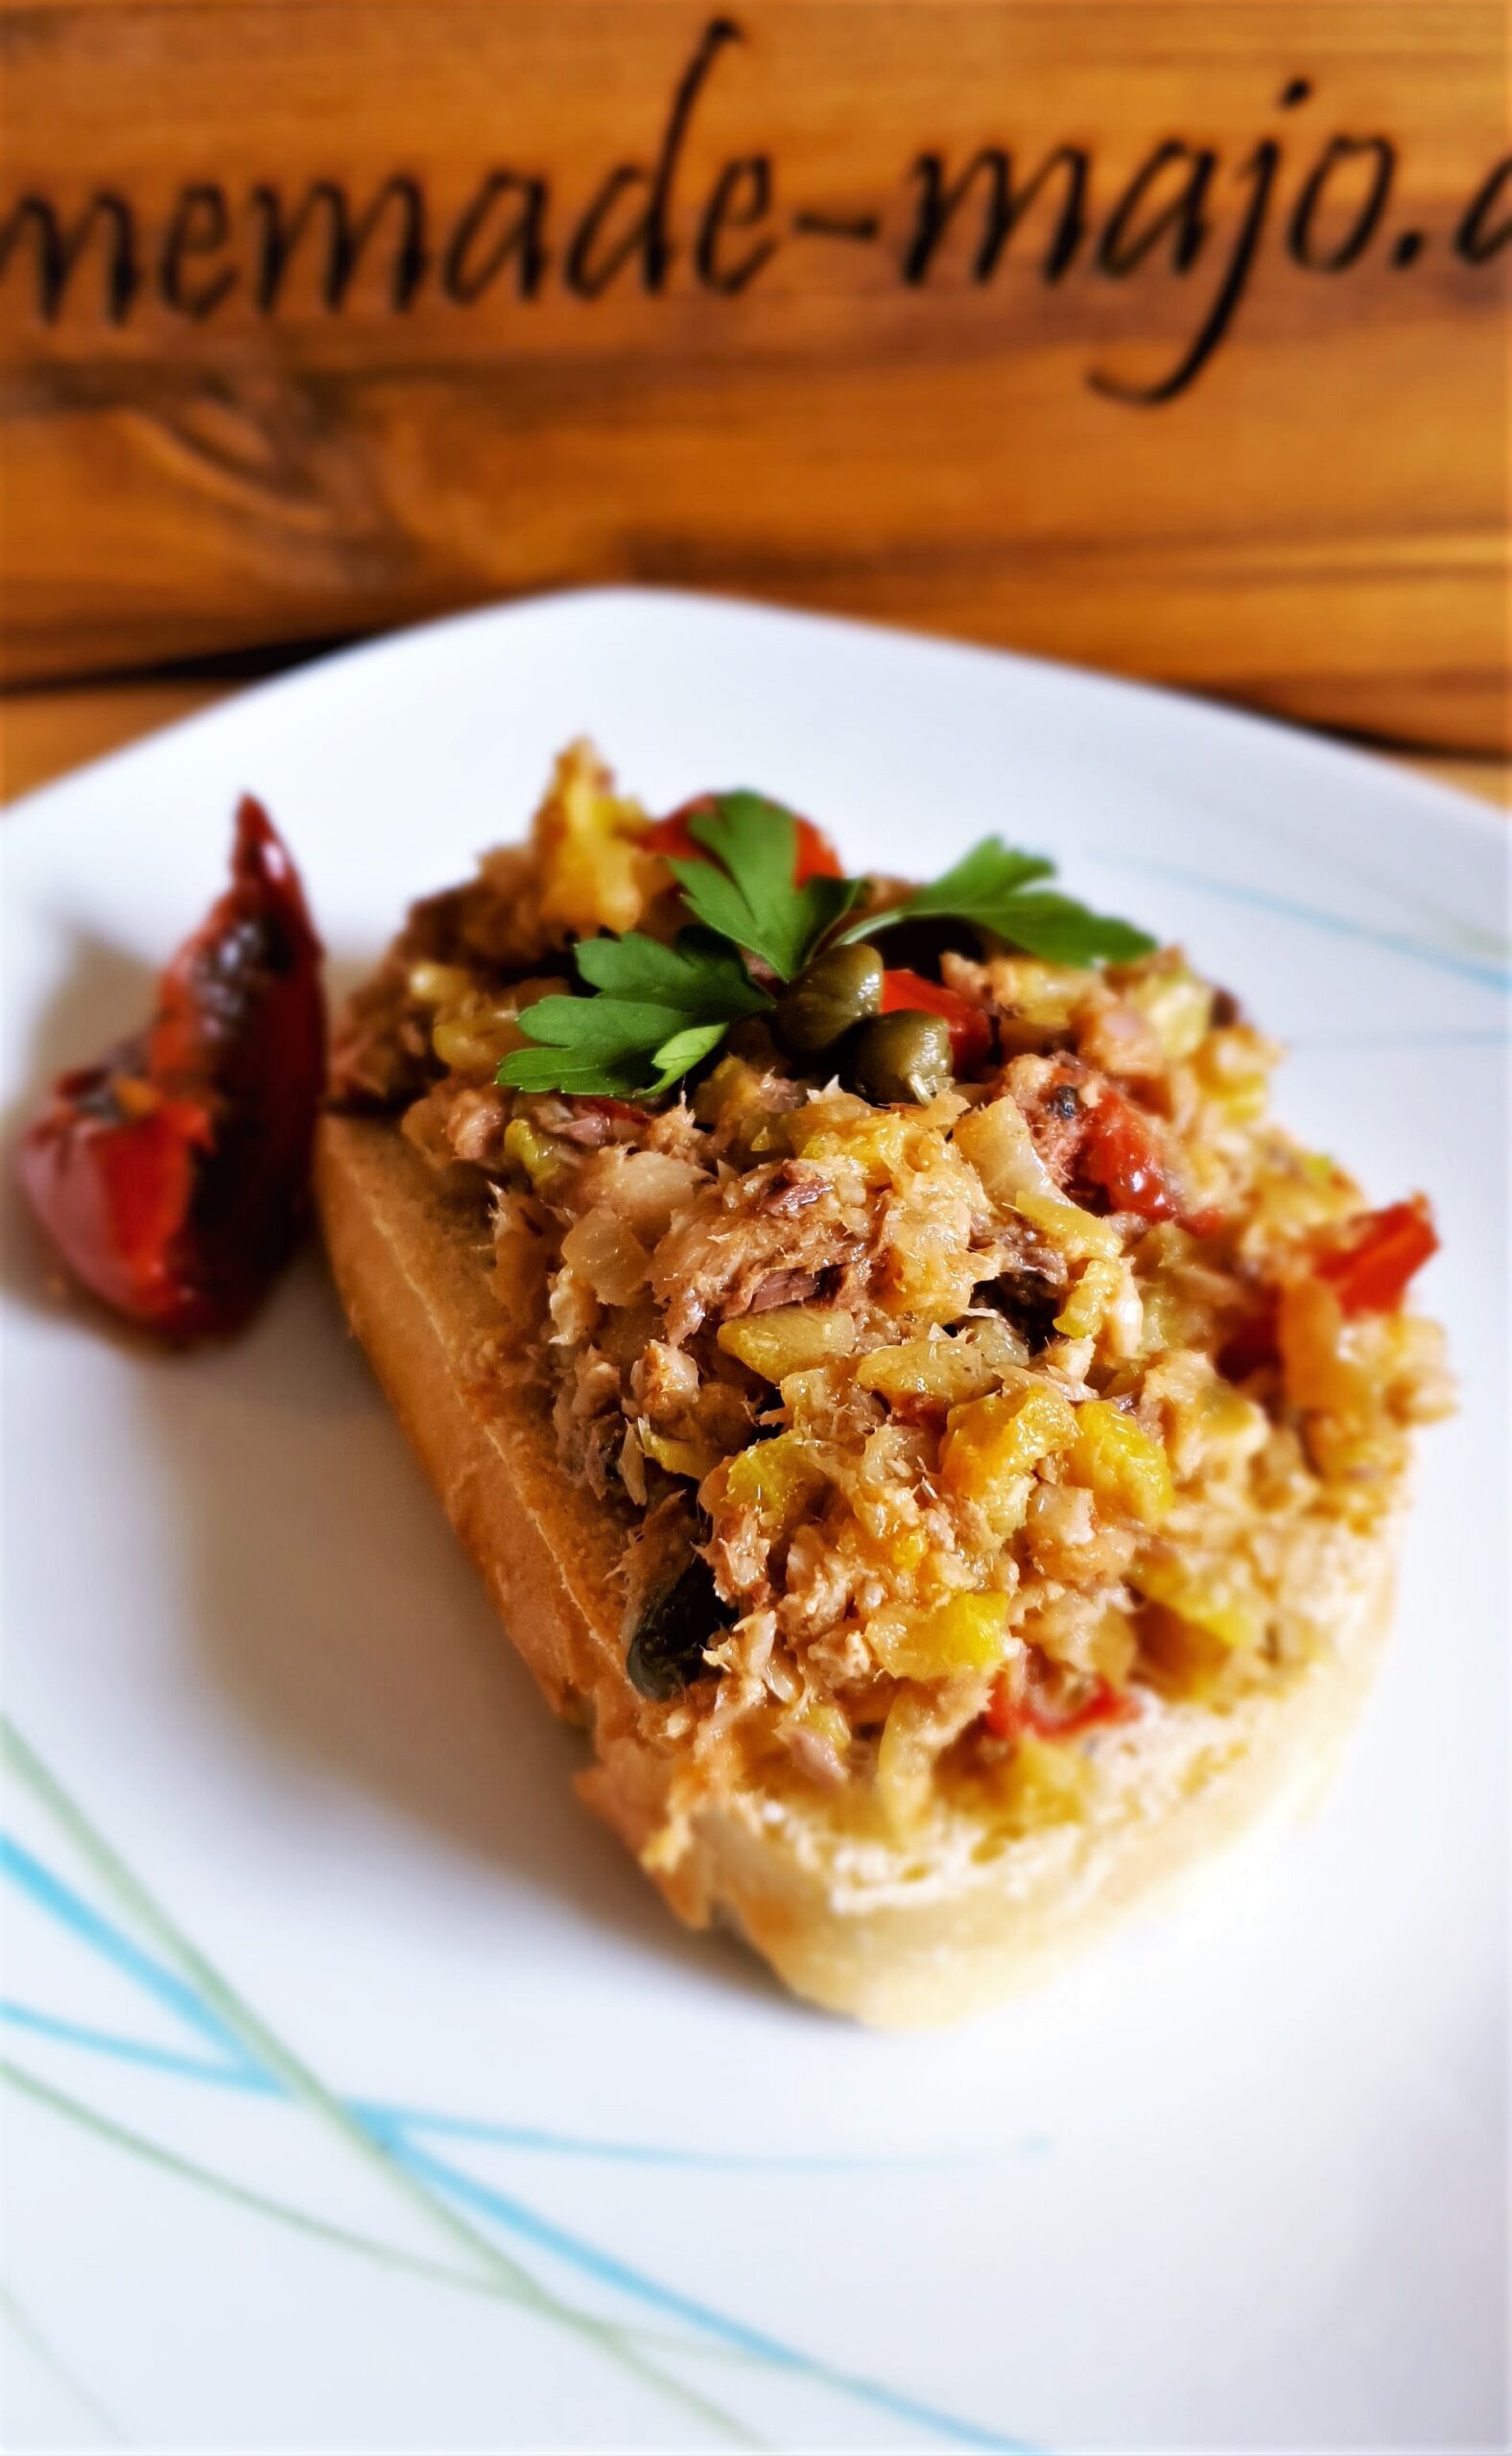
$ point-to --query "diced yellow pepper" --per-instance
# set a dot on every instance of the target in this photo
(594, 870)
(840, 1126)
(472, 1034)
(825, 1719)
(810, 1399)
(1366, 1459)
(778, 1478)
(1215, 1430)
(1045, 1782)
(791, 1339)
(439, 984)
(1042, 995)
(902, 1548)
(534, 1153)
(733, 1096)
(1319, 1168)
(946, 1370)
(991, 1440)
(967, 1633)
(1315, 1342)
(1077, 1231)
(1220, 1607)
(1125, 1467)
(1177, 1005)
(1089, 1300)
(1233, 1068)
(693, 1459)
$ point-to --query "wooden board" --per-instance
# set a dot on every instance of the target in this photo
(317, 314)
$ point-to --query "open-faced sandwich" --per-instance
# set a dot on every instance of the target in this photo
(905, 1397)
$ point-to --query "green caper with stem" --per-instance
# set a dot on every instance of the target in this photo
(903, 1057)
(830, 995)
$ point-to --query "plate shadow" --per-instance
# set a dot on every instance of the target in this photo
(330, 1604)
(334, 1610)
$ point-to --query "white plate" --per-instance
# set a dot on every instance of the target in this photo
(367, 2096)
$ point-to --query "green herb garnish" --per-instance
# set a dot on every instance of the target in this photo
(987, 888)
(752, 900)
(657, 1011)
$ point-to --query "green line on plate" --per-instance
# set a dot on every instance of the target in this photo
(187, 2169)
(304, 2085)
(52, 2361)
(303, 2221)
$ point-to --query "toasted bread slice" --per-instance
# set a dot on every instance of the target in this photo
(897, 1935)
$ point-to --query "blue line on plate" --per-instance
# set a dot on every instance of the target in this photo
(532, 2228)
(380, 2115)
(461, 2127)
(1488, 1038)
(1487, 976)
(77, 1916)
(129, 2050)
(71, 1911)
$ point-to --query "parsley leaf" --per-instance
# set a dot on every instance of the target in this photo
(679, 1055)
(701, 975)
(658, 1011)
(752, 901)
(986, 888)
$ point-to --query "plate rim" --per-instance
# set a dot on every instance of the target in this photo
(1262, 728)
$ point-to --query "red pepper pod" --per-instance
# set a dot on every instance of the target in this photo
(174, 1177)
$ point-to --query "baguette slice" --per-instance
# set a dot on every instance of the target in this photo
(900, 1937)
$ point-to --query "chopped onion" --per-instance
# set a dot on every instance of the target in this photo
(998, 1143)
(601, 1249)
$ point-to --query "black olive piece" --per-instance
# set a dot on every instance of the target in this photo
(828, 996)
(677, 1623)
(903, 1057)
(1026, 1300)
(917, 946)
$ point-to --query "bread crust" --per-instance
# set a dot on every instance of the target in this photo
(898, 1938)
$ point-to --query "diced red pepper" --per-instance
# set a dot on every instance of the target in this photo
(1121, 1153)
(1369, 1273)
(1009, 1712)
(174, 1176)
(815, 856)
(672, 836)
(911, 993)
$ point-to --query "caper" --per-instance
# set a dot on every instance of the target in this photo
(679, 1620)
(831, 994)
(903, 1057)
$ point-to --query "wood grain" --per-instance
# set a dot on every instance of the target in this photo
(46, 734)
(267, 446)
